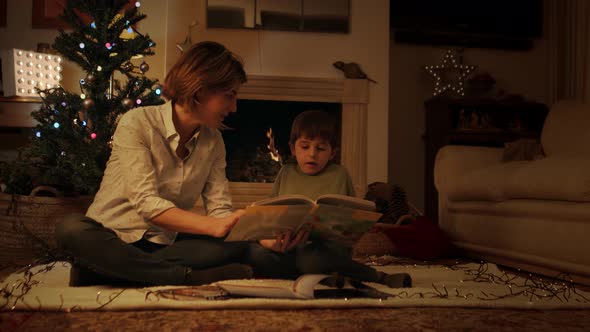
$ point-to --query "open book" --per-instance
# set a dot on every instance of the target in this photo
(333, 217)
(306, 286)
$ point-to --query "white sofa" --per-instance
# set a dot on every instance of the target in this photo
(532, 214)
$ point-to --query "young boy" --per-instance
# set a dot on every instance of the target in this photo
(313, 143)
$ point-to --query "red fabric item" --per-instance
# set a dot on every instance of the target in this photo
(421, 239)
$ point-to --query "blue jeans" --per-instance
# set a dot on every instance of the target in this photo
(100, 249)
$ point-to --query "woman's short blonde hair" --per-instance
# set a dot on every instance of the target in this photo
(206, 67)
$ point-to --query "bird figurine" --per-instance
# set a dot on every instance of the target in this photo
(188, 42)
(352, 70)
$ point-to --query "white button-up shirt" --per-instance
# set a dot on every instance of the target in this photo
(144, 176)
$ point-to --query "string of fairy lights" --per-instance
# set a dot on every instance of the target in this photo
(536, 288)
(529, 288)
(85, 83)
(453, 67)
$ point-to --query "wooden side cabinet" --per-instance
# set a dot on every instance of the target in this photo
(16, 111)
(15, 124)
(476, 122)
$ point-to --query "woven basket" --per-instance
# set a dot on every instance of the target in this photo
(376, 243)
(373, 243)
(27, 223)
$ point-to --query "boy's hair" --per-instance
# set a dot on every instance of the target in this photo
(314, 124)
(205, 67)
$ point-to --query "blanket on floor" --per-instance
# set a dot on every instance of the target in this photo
(483, 285)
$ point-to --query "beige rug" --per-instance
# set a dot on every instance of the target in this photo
(459, 285)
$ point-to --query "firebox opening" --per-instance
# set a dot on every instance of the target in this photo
(247, 143)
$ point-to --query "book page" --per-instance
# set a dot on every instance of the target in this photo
(302, 288)
(306, 286)
(266, 222)
(272, 288)
(342, 224)
(285, 200)
(347, 201)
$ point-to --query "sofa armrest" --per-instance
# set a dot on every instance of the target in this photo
(452, 161)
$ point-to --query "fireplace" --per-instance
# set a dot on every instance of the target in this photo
(352, 96)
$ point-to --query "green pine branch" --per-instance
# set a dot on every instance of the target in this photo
(70, 146)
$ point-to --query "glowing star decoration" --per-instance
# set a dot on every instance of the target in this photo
(450, 75)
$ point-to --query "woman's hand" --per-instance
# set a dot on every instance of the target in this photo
(283, 242)
(222, 226)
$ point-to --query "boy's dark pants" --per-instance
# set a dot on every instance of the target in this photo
(313, 258)
(99, 249)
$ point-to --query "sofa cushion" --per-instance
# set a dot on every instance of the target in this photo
(564, 178)
(566, 129)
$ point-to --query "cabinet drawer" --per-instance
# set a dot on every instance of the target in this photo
(17, 114)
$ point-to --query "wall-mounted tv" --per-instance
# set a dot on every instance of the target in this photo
(505, 24)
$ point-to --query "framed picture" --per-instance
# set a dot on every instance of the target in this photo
(46, 14)
(3, 13)
(287, 15)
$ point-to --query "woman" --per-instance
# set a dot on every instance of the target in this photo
(139, 228)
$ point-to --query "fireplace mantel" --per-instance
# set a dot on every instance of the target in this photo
(353, 94)
(283, 88)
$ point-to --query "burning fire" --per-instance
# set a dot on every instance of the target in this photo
(273, 151)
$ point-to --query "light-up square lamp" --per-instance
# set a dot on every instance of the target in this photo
(23, 71)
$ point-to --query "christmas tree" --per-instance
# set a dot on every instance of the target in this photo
(71, 145)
